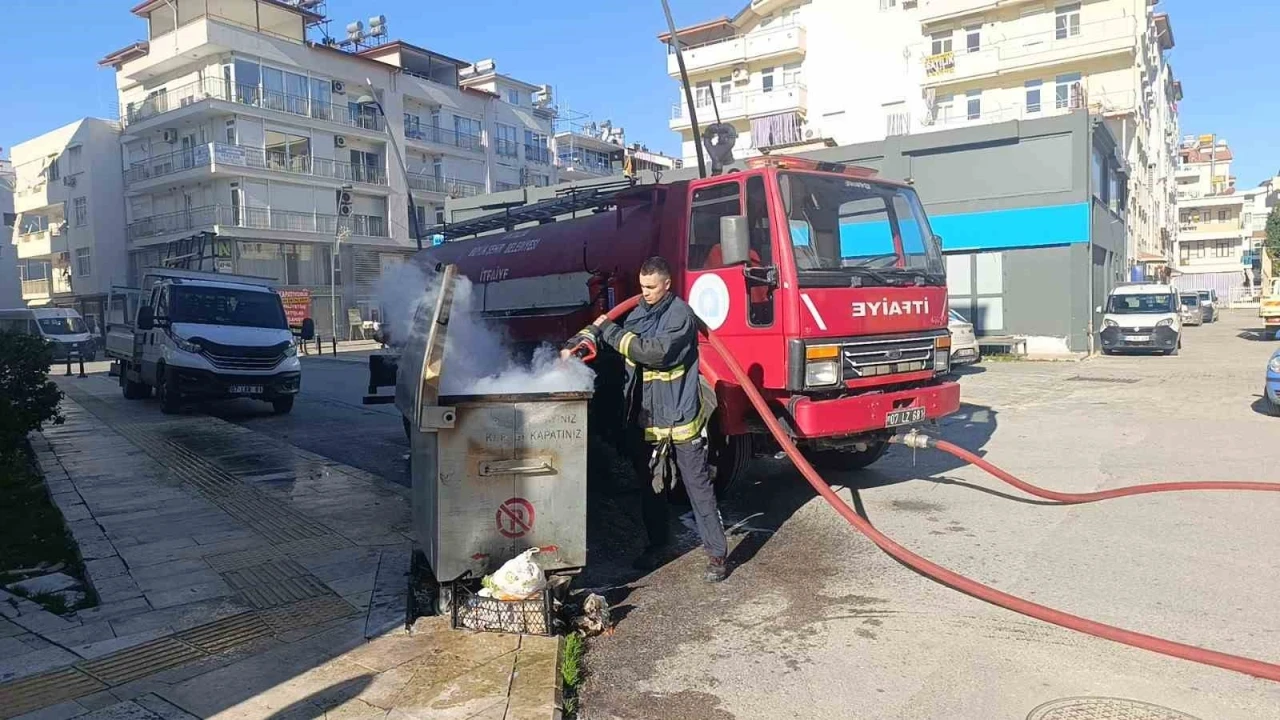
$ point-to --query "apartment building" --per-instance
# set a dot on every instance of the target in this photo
(799, 74)
(10, 286)
(253, 145)
(68, 233)
(1213, 238)
(987, 61)
(586, 150)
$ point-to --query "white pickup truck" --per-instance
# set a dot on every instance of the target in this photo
(199, 335)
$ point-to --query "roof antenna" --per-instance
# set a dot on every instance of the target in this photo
(688, 90)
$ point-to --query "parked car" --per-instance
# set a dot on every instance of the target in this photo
(1271, 390)
(1191, 309)
(1142, 316)
(964, 344)
(1209, 304)
(63, 328)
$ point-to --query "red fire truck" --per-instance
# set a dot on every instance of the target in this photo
(825, 281)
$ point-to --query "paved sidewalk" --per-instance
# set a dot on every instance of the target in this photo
(240, 577)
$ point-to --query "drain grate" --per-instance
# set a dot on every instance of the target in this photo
(22, 696)
(1109, 380)
(226, 633)
(141, 661)
(1101, 708)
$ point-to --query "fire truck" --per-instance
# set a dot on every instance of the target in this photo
(824, 280)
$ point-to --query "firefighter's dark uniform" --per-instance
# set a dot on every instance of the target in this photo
(666, 413)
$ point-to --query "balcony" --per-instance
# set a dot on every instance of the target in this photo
(788, 40)
(214, 157)
(1007, 55)
(744, 105)
(232, 220)
(956, 115)
(40, 289)
(41, 243)
(1228, 229)
(578, 165)
(234, 98)
(441, 137)
(450, 187)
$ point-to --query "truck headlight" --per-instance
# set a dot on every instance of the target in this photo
(291, 349)
(186, 345)
(1274, 365)
(822, 365)
(1167, 322)
(942, 355)
(1110, 323)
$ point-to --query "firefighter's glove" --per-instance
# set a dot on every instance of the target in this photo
(585, 344)
(662, 468)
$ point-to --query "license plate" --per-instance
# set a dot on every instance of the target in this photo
(246, 389)
(1137, 338)
(904, 417)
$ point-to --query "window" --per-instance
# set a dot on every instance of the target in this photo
(1184, 253)
(288, 152)
(888, 4)
(73, 160)
(973, 102)
(81, 206)
(1197, 249)
(791, 74)
(536, 147)
(766, 79)
(513, 97)
(1222, 216)
(1098, 170)
(1033, 95)
(726, 90)
(507, 141)
(1222, 248)
(51, 171)
(709, 205)
(1067, 92)
(248, 76)
(467, 131)
(702, 94)
(760, 297)
(84, 261)
(943, 107)
(973, 38)
(231, 132)
(941, 43)
(1067, 21)
(365, 166)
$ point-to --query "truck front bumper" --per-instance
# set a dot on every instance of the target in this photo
(205, 384)
(871, 412)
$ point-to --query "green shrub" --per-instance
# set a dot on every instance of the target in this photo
(28, 399)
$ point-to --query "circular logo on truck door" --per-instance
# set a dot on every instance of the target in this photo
(709, 298)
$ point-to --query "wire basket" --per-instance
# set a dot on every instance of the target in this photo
(533, 616)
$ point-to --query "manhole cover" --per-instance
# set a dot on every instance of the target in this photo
(1088, 708)
(1112, 380)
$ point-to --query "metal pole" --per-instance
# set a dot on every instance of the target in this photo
(688, 90)
(404, 169)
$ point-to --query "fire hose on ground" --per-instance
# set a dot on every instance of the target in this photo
(1248, 666)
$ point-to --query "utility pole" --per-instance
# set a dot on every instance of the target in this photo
(342, 232)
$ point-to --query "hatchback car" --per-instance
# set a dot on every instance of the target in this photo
(964, 344)
(1271, 390)
(1209, 304)
(1190, 309)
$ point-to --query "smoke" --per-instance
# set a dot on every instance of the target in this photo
(478, 358)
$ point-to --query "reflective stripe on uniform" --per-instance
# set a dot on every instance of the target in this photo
(680, 433)
(623, 346)
(663, 375)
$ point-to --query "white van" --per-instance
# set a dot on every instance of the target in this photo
(62, 327)
(1143, 317)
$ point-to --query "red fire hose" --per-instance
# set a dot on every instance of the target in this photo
(1248, 666)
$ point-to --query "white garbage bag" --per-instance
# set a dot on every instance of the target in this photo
(519, 578)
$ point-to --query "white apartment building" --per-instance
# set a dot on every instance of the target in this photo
(69, 230)
(1212, 236)
(250, 149)
(586, 150)
(10, 286)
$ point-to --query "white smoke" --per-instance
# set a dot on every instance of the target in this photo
(478, 359)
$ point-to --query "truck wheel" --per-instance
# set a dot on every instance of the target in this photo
(728, 456)
(167, 389)
(840, 461)
(282, 405)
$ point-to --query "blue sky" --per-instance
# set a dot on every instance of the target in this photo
(602, 57)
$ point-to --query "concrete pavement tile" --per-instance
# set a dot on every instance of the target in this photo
(324, 682)
(475, 691)
(157, 552)
(85, 634)
(96, 549)
(498, 712)
(67, 499)
(114, 610)
(31, 641)
(353, 584)
(196, 668)
(479, 647)
(8, 629)
(61, 711)
(90, 651)
(37, 661)
(105, 568)
(179, 617)
(360, 601)
(221, 536)
(127, 710)
(386, 686)
(120, 587)
(535, 682)
(176, 581)
(78, 511)
(395, 649)
(354, 709)
(98, 700)
(181, 596)
(343, 563)
(163, 708)
(167, 569)
(13, 646)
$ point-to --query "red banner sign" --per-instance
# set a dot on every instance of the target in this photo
(297, 305)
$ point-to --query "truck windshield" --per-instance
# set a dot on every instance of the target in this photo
(61, 326)
(1145, 303)
(845, 226)
(226, 306)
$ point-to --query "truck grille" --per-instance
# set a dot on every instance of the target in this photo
(236, 357)
(887, 357)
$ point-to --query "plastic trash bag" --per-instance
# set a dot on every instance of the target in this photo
(519, 578)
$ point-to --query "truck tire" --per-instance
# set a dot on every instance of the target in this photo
(132, 390)
(282, 405)
(728, 456)
(841, 461)
(167, 389)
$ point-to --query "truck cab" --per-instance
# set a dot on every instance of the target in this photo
(205, 336)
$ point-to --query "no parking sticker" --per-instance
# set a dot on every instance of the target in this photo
(515, 518)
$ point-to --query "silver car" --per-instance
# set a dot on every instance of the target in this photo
(1209, 304)
(964, 344)
(1190, 309)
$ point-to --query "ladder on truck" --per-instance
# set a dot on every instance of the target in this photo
(568, 202)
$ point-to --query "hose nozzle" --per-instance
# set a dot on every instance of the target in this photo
(914, 439)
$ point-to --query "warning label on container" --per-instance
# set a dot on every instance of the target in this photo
(515, 518)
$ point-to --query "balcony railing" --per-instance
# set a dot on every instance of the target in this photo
(363, 117)
(35, 288)
(442, 136)
(756, 103)
(957, 115)
(784, 37)
(537, 153)
(506, 148)
(1003, 53)
(582, 163)
(448, 186)
(226, 217)
(254, 158)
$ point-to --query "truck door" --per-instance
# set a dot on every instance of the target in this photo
(738, 303)
(153, 339)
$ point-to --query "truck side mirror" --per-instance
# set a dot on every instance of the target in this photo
(735, 240)
(308, 329)
(146, 318)
(1098, 309)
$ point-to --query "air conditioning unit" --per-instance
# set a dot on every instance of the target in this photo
(69, 181)
(344, 210)
(345, 197)
(339, 88)
(339, 141)
(171, 135)
(741, 75)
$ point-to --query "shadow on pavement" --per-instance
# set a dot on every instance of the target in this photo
(1263, 407)
(324, 702)
(1260, 335)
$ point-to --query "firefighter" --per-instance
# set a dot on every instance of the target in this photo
(666, 414)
